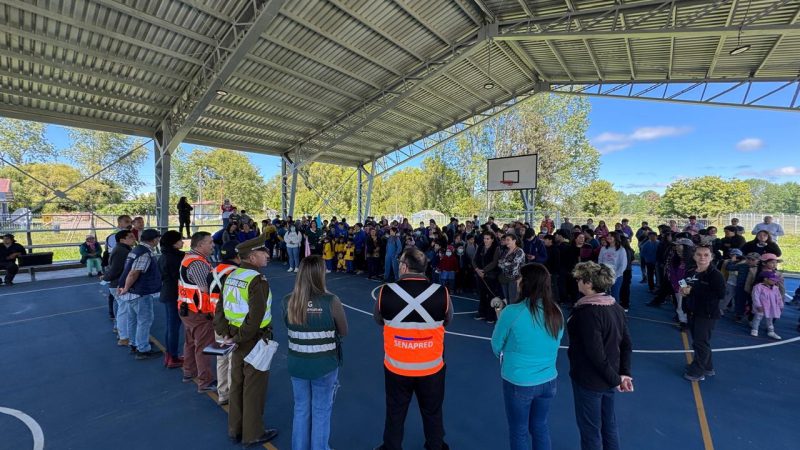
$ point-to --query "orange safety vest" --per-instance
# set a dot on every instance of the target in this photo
(413, 349)
(191, 294)
(219, 274)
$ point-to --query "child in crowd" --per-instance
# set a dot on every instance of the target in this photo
(341, 264)
(349, 255)
(448, 266)
(434, 255)
(743, 270)
(767, 304)
(328, 254)
(730, 274)
(769, 263)
(340, 245)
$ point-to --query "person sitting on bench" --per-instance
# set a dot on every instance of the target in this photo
(9, 252)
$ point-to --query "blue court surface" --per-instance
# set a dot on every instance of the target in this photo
(62, 369)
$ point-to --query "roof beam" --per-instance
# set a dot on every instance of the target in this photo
(83, 25)
(488, 13)
(628, 48)
(317, 59)
(524, 56)
(350, 46)
(489, 76)
(393, 39)
(424, 22)
(157, 21)
(285, 70)
(466, 87)
(586, 44)
(471, 11)
(721, 42)
(279, 88)
(732, 31)
(245, 95)
(550, 45)
(63, 43)
(64, 66)
(220, 65)
(250, 123)
(673, 19)
(207, 10)
(775, 45)
(247, 146)
(219, 102)
(21, 112)
(427, 109)
(79, 104)
(517, 61)
(434, 93)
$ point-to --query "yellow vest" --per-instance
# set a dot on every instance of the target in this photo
(327, 251)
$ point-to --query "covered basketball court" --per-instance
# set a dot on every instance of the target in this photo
(371, 85)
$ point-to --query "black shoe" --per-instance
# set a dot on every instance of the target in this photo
(187, 379)
(9, 283)
(691, 377)
(150, 354)
(235, 439)
(268, 435)
(210, 388)
(683, 326)
(133, 350)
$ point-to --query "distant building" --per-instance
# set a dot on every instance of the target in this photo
(6, 197)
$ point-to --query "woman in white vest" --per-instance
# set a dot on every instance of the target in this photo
(316, 323)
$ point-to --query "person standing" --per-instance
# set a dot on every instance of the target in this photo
(487, 272)
(567, 226)
(316, 324)
(526, 340)
(293, 239)
(547, 225)
(119, 310)
(511, 260)
(184, 217)
(170, 265)
(140, 279)
(197, 312)
(216, 282)
(227, 209)
(648, 253)
(245, 318)
(599, 356)
(9, 251)
(704, 290)
(393, 248)
(413, 313)
(775, 230)
(613, 255)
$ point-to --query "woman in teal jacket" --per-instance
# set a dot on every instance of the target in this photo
(526, 340)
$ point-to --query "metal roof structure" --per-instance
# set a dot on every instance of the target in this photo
(352, 81)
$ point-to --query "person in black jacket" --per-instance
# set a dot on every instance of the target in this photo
(599, 356)
(170, 265)
(486, 273)
(184, 216)
(703, 290)
(117, 311)
(763, 243)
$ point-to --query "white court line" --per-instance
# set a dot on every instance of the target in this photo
(36, 430)
(51, 315)
(50, 289)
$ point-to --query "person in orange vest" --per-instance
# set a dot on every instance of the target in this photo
(216, 281)
(413, 312)
(196, 312)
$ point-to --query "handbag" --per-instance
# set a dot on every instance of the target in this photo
(261, 355)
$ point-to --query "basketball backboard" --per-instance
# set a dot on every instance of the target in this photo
(511, 173)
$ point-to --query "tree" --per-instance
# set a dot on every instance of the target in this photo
(31, 194)
(599, 198)
(223, 173)
(93, 150)
(23, 142)
(705, 196)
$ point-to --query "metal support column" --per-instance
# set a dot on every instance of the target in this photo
(370, 180)
(163, 160)
(360, 194)
(528, 199)
(284, 188)
(293, 190)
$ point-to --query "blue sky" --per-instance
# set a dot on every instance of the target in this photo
(647, 145)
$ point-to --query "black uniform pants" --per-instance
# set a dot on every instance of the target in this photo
(625, 289)
(701, 329)
(11, 269)
(430, 396)
(650, 270)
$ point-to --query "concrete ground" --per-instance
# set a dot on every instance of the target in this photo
(64, 374)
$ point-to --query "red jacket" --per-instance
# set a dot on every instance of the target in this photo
(448, 263)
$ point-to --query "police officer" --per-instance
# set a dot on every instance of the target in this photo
(216, 279)
(244, 319)
(413, 312)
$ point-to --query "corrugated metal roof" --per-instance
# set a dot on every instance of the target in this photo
(352, 80)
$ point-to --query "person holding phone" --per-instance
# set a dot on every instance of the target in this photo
(599, 353)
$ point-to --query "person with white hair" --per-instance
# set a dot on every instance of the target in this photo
(773, 228)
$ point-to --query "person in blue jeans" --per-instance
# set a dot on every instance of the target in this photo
(599, 356)
(526, 340)
(316, 324)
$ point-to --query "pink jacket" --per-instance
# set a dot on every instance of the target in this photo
(768, 298)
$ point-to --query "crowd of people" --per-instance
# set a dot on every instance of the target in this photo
(218, 294)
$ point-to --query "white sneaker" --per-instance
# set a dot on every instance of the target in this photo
(327, 271)
(295, 270)
(289, 270)
(754, 333)
(773, 335)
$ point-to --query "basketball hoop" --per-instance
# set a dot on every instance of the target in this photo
(508, 183)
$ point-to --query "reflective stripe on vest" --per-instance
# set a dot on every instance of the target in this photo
(189, 293)
(413, 348)
(235, 297)
(219, 272)
(302, 348)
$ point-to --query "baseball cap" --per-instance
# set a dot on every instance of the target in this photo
(769, 257)
(684, 241)
(753, 255)
(735, 252)
(228, 250)
(769, 275)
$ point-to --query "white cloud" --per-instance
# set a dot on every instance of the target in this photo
(749, 145)
(786, 171)
(609, 142)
